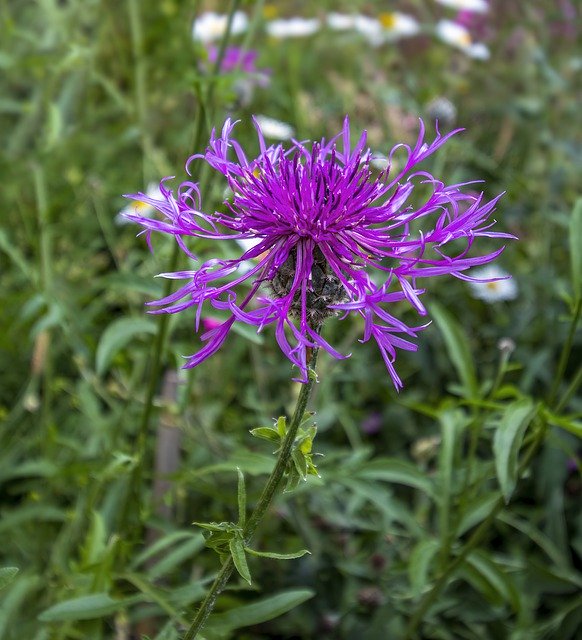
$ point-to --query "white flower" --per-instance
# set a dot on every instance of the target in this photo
(457, 36)
(386, 28)
(292, 28)
(399, 25)
(341, 21)
(370, 28)
(476, 6)
(379, 161)
(494, 289)
(275, 129)
(140, 208)
(211, 26)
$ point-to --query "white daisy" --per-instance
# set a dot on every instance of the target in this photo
(292, 27)
(492, 288)
(457, 36)
(275, 129)
(341, 21)
(140, 208)
(476, 6)
(398, 25)
(211, 26)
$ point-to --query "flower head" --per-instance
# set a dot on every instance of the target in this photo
(292, 27)
(456, 35)
(492, 284)
(211, 26)
(332, 237)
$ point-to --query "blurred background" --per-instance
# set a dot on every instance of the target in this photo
(109, 451)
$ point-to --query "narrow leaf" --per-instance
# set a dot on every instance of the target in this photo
(398, 471)
(507, 442)
(458, 349)
(576, 248)
(242, 499)
(278, 556)
(261, 611)
(237, 551)
(266, 433)
(86, 608)
(419, 563)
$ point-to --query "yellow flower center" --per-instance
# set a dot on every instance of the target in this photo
(387, 20)
(493, 286)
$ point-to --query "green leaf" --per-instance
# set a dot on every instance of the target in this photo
(419, 563)
(501, 583)
(278, 556)
(89, 607)
(507, 442)
(457, 345)
(451, 424)
(398, 471)
(242, 499)
(576, 248)
(7, 575)
(478, 509)
(568, 424)
(266, 433)
(168, 562)
(261, 611)
(162, 544)
(282, 426)
(237, 551)
(116, 336)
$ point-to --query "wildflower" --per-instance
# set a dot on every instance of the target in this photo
(492, 284)
(379, 161)
(238, 59)
(292, 27)
(275, 129)
(370, 28)
(398, 25)
(211, 26)
(333, 238)
(341, 21)
(475, 6)
(459, 37)
(142, 208)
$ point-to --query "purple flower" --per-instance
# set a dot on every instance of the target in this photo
(332, 238)
(236, 58)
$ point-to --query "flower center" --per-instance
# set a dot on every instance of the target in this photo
(323, 289)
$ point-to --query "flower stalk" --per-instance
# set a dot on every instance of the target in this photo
(263, 504)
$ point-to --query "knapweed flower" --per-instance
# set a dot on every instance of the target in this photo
(458, 36)
(244, 61)
(492, 284)
(333, 238)
(211, 26)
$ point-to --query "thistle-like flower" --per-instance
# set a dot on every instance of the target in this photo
(331, 237)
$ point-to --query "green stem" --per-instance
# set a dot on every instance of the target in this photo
(263, 504)
(476, 538)
(565, 355)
